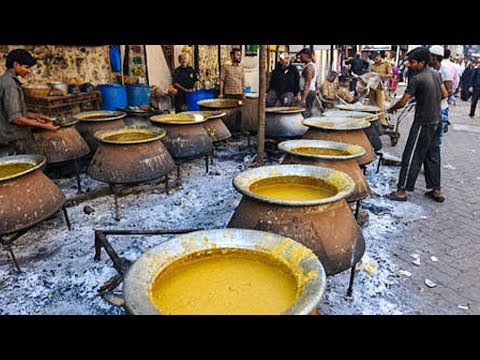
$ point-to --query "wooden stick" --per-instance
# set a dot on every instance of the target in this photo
(261, 106)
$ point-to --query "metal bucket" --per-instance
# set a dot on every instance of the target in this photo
(284, 122)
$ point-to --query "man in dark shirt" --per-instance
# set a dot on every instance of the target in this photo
(474, 89)
(358, 67)
(422, 145)
(184, 79)
(15, 122)
(284, 83)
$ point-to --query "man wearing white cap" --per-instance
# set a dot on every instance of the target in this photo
(436, 57)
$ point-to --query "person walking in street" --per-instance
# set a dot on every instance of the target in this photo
(422, 144)
(466, 80)
(475, 90)
(284, 83)
(232, 77)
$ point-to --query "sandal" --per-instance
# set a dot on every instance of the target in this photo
(431, 195)
(393, 196)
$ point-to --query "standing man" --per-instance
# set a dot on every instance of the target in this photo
(358, 67)
(377, 96)
(308, 81)
(422, 144)
(436, 58)
(232, 78)
(184, 79)
(284, 82)
(15, 122)
(475, 90)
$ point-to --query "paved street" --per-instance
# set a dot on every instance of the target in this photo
(448, 231)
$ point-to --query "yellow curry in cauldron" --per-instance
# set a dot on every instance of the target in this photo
(130, 136)
(13, 168)
(296, 188)
(226, 282)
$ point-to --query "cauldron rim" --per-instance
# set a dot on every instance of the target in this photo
(196, 119)
(100, 134)
(115, 115)
(38, 160)
(284, 110)
(142, 274)
(365, 108)
(229, 103)
(243, 181)
(218, 114)
(286, 146)
(320, 123)
(351, 114)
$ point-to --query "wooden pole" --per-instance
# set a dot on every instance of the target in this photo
(262, 94)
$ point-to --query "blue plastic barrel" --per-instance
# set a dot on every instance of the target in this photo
(113, 96)
(193, 97)
(138, 95)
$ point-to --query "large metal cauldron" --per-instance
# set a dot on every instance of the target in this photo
(373, 132)
(325, 225)
(186, 136)
(128, 162)
(250, 112)
(62, 145)
(27, 197)
(346, 163)
(232, 108)
(214, 125)
(92, 121)
(344, 130)
(284, 122)
(307, 269)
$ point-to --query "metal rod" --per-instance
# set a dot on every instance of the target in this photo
(357, 208)
(179, 175)
(115, 200)
(117, 261)
(14, 260)
(206, 164)
(212, 156)
(166, 184)
(98, 246)
(380, 154)
(67, 220)
(145, 232)
(77, 175)
(351, 283)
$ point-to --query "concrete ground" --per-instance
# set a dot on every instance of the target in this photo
(448, 232)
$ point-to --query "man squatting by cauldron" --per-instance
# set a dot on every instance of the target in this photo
(15, 122)
(284, 83)
(422, 145)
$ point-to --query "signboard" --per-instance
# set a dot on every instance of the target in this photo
(376, 47)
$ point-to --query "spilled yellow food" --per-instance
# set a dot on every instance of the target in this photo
(297, 188)
(320, 151)
(13, 168)
(227, 282)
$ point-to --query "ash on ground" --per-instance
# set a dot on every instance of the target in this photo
(67, 281)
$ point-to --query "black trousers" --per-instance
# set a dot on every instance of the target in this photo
(422, 148)
(475, 96)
